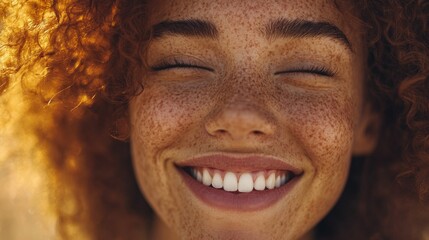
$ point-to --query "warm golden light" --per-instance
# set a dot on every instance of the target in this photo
(25, 209)
(29, 93)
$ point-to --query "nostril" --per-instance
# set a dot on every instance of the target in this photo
(221, 131)
(257, 132)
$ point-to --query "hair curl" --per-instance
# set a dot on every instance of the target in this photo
(77, 60)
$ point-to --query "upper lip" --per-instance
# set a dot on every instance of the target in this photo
(240, 163)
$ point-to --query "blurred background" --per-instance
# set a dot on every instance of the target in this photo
(24, 209)
(25, 212)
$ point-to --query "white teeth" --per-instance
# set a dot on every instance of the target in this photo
(199, 176)
(282, 179)
(245, 183)
(217, 180)
(230, 182)
(207, 179)
(259, 183)
(271, 181)
(278, 181)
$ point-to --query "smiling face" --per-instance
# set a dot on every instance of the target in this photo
(243, 89)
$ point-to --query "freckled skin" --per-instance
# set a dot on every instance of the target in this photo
(308, 120)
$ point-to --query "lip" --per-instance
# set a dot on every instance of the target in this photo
(241, 163)
(236, 201)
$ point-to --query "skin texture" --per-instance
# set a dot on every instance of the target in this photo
(314, 122)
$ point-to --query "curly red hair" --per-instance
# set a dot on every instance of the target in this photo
(91, 51)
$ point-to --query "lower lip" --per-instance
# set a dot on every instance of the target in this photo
(236, 201)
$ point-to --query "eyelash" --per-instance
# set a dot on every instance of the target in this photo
(177, 63)
(316, 70)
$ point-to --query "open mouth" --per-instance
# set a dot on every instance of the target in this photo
(243, 182)
(239, 184)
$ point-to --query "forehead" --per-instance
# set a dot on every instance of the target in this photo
(248, 12)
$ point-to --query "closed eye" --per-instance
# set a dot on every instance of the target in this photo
(175, 63)
(321, 71)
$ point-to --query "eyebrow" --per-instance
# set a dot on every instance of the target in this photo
(190, 28)
(302, 28)
(278, 28)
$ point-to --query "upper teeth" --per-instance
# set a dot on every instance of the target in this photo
(242, 182)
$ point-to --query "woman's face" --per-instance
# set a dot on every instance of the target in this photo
(250, 110)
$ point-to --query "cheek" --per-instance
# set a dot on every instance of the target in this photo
(159, 117)
(168, 110)
(322, 127)
(321, 130)
(323, 123)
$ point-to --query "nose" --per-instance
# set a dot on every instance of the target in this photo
(240, 120)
